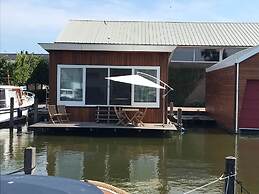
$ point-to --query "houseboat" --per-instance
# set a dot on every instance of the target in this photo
(22, 100)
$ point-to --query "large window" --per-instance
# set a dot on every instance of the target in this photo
(96, 86)
(85, 85)
(70, 85)
(120, 93)
(144, 94)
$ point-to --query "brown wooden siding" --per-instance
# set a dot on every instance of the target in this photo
(248, 70)
(106, 58)
(220, 96)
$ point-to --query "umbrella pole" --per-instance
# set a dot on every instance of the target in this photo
(163, 106)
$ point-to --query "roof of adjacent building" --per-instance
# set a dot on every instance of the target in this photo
(235, 58)
(147, 33)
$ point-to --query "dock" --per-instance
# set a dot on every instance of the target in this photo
(193, 117)
(103, 129)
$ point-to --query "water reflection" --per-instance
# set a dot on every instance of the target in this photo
(139, 165)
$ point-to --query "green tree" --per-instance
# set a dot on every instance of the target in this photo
(6, 70)
(40, 75)
(25, 64)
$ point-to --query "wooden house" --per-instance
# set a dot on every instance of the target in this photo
(232, 91)
(87, 52)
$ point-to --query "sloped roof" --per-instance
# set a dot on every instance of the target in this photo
(160, 33)
(235, 58)
(152, 36)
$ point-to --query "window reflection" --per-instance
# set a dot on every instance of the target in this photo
(206, 54)
(142, 93)
(71, 81)
(230, 51)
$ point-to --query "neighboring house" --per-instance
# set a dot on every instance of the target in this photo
(232, 90)
(87, 51)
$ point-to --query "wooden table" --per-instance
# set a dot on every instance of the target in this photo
(131, 114)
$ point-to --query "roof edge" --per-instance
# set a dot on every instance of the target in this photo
(106, 47)
(235, 58)
(167, 21)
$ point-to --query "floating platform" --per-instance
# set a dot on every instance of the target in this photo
(103, 129)
(194, 117)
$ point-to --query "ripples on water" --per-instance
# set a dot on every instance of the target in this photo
(138, 165)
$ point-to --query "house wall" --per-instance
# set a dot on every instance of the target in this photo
(249, 70)
(106, 58)
(220, 96)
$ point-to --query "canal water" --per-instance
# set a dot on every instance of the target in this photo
(139, 165)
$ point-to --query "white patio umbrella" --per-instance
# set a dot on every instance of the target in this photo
(141, 81)
(135, 80)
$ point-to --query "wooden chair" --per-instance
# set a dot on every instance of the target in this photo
(121, 116)
(54, 117)
(64, 116)
(139, 117)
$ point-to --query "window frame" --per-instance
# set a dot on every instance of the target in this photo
(146, 104)
(70, 103)
(109, 67)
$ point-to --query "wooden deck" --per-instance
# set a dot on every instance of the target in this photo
(102, 129)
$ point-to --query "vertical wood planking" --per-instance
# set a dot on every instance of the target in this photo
(107, 58)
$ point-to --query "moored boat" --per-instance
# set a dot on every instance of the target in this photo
(22, 100)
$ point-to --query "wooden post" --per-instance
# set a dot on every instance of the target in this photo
(35, 111)
(179, 118)
(29, 160)
(19, 112)
(230, 169)
(171, 113)
(11, 121)
(19, 129)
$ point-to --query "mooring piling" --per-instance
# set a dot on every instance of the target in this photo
(230, 171)
(29, 160)
(35, 111)
(179, 118)
(11, 121)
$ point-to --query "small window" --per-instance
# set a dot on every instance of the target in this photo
(183, 54)
(230, 51)
(206, 54)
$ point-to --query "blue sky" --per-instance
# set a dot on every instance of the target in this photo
(24, 23)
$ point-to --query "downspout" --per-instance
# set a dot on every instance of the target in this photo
(237, 99)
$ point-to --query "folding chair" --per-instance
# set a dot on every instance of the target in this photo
(121, 116)
(54, 117)
(63, 113)
(139, 117)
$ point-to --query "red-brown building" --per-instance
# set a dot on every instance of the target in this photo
(78, 69)
(232, 91)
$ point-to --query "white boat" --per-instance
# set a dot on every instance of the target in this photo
(22, 100)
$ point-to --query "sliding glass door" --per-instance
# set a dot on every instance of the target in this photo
(120, 93)
(96, 86)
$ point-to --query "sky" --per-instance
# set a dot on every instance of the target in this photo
(24, 23)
